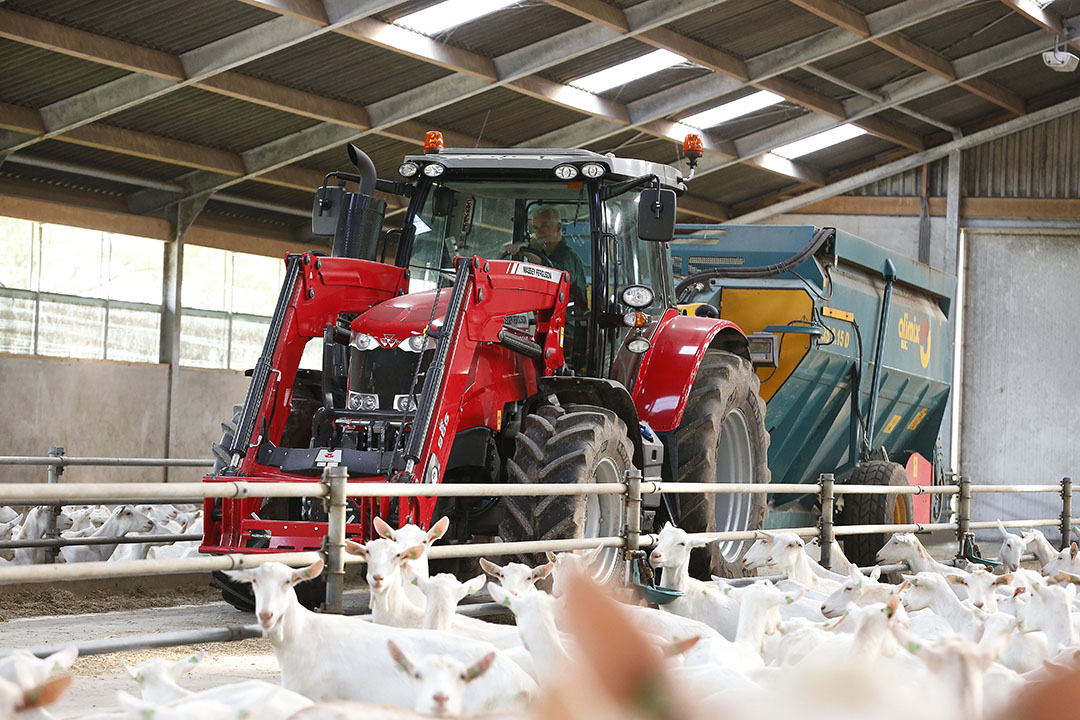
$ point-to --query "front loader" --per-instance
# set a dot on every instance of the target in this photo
(519, 326)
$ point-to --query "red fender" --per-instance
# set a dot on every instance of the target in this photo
(668, 369)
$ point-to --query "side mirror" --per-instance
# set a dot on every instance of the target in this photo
(656, 215)
(326, 210)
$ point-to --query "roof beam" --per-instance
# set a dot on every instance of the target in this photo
(907, 49)
(912, 161)
(762, 70)
(968, 68)
(1044, 19)
(156, 73)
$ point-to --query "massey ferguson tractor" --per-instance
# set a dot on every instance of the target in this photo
(519, 326)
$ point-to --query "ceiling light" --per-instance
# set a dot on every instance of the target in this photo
(731, 110)
(448, 14)
(628, 71)
(818, 142)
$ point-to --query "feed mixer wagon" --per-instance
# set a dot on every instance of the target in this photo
(853, 347)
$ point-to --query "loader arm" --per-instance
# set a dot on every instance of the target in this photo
(484, 293)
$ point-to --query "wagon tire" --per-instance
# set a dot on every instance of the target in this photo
(572, 444)
(722, 438)
(874, 509)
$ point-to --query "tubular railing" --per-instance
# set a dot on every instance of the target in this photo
(335, 488)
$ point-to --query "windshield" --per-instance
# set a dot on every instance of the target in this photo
(541, 222)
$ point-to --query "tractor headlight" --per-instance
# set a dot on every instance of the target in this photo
(416, 343)
(364, 342)
(566, 172)
(434, 170)
(637, 296)
(593, 170)
(363, 401)
(405, 403)
(638, 345)
(408, 169)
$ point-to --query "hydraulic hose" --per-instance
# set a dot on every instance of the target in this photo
(760, 271)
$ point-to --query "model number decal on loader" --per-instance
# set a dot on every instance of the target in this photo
(536, 271)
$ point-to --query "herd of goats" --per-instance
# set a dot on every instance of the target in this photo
(939, 641)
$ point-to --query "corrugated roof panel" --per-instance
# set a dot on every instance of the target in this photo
(35, 78)
(658, 82)
(868, 66)
(747, 28)
(1030, 78)
(955, 106)
(344, 68)
(112, 162)
(385, 152)
(747, 124)
(513, 117)
(67, 180)
(597, 60)
(848, 153)
(896, 117)
(970, 29)
(502, 31)
(737, 184)
(205, 118)
(174, 26)
(264, 192)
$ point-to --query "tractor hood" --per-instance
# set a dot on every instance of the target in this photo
(402, 317)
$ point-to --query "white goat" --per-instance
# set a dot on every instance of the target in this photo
(123, 520)
(981, 585)
(440, 680)
(700, 600)
(157, 677)
(1048, 610)
(906, 548)
(442, 592)
(389, 603)
(516, 578)
(838, 561)
(8, 514)
(788, 555)
(1038, 544)
(536, 624)
(1067, 561)
(16, 699)
(569, 564)
(1012, 548)
(6, 529)
(33, 528)
(408, 536)
(318, 658)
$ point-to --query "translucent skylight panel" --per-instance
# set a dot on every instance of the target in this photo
(628, 71)
(818, 142)
(433, 20)
(731, 110)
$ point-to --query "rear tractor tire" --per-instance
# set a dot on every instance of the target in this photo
(722, 439)
(874, 509)
(570, 444)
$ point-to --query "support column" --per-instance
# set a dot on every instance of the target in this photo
(952, 204)
(182, 215)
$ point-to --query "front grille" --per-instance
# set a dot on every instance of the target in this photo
(387, 374)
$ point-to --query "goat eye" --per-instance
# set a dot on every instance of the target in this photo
(682, 544)
(416, 675)
(464, 676)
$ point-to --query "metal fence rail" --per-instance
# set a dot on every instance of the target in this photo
(335, 489)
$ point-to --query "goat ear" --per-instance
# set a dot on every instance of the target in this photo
(1004, 579)
(551, 556)
(680, 646)
(1072, 550)
(46, 693)
(479, 667)
(61, 660)
(854, 574)
(438, 529)
(911, 579)
(413, 553)
(490, 568)
(401, 660)
(956, 580)
(1002, 530)
(475, 585)
(593, 554)
(499, 595)
(383, 528)
(133, 672)
(355, 548)
(240, 575)
(311, 571)
(542, 571)
(1019, 591)
(875, 574)
(182, 666)
(902, 588)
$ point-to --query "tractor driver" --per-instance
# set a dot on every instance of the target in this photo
(548, 242)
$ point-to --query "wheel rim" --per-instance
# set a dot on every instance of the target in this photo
(734, 464)
(899, 513)
(604, 518)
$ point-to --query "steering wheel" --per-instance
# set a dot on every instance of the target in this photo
(525, 255)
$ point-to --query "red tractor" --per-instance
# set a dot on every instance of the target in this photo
(520, 326)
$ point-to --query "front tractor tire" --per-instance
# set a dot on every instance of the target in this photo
(573, 444)
(722, 439)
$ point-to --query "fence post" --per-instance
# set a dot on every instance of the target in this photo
(632, 535)
(335, 478)
(1066, 512)
(963, 514)
(52, 511)
(825, 537)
